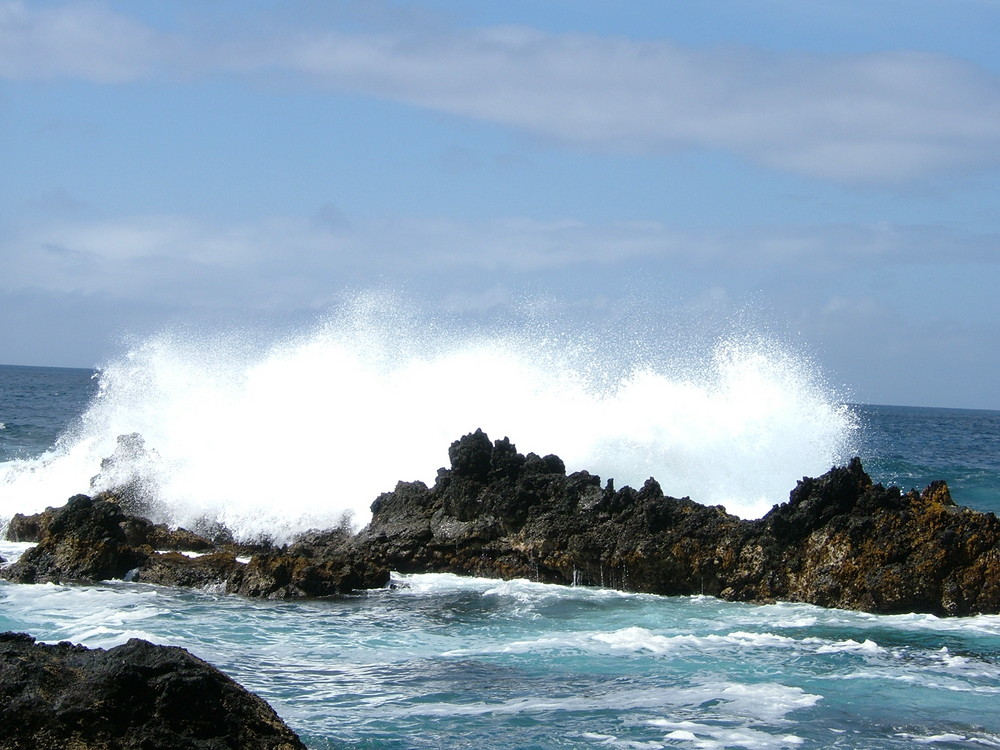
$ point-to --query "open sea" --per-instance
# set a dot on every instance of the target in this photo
(274, 440)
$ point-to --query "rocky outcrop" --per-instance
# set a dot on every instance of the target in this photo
(132, 697)
(839, 541)
(86, 540)
(92, 539)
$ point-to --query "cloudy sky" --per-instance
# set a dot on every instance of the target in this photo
(829, 171)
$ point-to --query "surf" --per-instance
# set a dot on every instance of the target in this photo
(305, 431)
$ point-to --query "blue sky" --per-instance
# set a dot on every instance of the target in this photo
(828, 171)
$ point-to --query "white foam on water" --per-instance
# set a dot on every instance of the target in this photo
(274, 439)
(95, 616)
(951, 737)
(769, 702)
(982, 624)
(520, 589)
(850, 646)
(643, 641)
(709, 736)
(12, 551)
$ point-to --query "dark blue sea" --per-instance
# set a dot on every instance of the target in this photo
(274, 439)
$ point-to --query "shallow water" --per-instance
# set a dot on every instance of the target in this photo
(466, 663)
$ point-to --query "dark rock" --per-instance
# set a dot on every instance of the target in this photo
(22, 528)
(132, 697)
(176, 569)
(284, 576)
(839, 541)
(317, 564)
(93, 539)
(84, 541)
(471, 456)
(138, 530)
(162, 538)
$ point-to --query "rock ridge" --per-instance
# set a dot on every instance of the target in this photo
(840, 541)
(91, 539)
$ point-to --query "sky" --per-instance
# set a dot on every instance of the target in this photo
(827, 172)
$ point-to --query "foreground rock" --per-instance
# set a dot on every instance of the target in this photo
(839, 541)
(134, 696)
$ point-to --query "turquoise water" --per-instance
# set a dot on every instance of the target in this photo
(446, 662)
(464, 663)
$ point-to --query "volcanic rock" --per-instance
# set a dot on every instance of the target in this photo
(86, 540)
(132, 697)
(839, 541)
(92, 539)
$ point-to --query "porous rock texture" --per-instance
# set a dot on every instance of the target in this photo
(840, 540)
(92, 539)
(136, 696)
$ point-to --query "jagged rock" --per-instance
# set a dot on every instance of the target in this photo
(138, 530)
(283, 576)
(22, 528)
(175, 569)
(840, 540)
(132, 697)
(84, 541)
(93, 539)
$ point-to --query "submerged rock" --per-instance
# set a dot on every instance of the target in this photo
(132, 697)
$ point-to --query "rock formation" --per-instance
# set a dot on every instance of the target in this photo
(92, 539)
(839, 541)
(132, 697)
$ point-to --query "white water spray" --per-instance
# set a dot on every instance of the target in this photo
(276, 440)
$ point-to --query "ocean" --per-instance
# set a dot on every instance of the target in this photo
(275, 439)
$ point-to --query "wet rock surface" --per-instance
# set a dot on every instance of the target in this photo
(839, 541)
(134, 696)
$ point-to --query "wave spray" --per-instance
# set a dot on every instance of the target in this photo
(273, 440)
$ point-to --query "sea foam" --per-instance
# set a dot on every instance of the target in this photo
(272, 439)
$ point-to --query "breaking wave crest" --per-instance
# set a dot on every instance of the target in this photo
(278, 438)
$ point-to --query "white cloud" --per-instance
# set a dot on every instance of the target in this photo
(887, 116)
(281, 262)
(890, 116)
(85, 41)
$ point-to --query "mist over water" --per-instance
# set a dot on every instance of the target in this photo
(272, 439)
